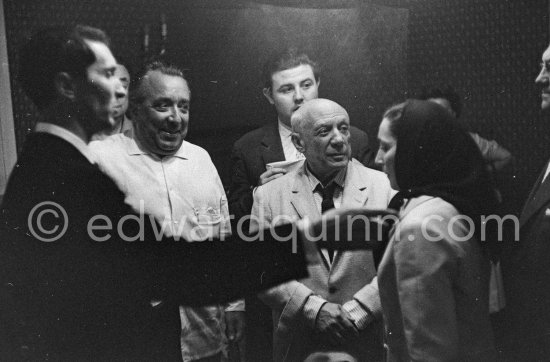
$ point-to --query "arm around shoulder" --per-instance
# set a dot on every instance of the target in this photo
(260, 217)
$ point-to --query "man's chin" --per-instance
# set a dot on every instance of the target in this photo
(338, 165)
(167, 148)
(340, 159)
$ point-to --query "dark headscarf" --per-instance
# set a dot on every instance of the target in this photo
(435, 156)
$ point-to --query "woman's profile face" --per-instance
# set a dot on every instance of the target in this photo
(386, 152)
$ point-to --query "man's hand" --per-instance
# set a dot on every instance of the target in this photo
(234, 325)
(336, 324)
(271, 175)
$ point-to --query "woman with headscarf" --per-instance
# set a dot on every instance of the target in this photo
(434, 275)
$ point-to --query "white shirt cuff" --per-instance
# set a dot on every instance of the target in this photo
(235, 306)
(361, 316)
(312, 307)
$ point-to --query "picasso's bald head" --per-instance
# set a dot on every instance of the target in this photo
(321, 132)
(314, 110)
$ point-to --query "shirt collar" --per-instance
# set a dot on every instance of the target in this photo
(339, 179)
(284, 131)
(66, 135)
(136, 148)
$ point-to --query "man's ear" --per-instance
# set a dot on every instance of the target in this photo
(65, 85)
(297, 141)
(318, 82)
(268, 95)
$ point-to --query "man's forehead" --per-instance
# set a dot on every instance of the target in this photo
(325, 118)
(300, 71)
(546, 54)
(322, 110)
(156, 83)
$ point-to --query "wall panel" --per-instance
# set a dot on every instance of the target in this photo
(489, 50)
(223, 47)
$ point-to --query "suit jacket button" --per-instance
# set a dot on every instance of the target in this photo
(332, 289)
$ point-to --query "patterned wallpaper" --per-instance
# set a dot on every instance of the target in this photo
(489, 50)
(223, 46)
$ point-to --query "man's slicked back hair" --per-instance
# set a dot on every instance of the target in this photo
(52, 51)
(136, 94)
(288, 59)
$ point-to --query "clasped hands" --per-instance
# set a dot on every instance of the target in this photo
(336, 325)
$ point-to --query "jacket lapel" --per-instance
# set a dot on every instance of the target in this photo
(355, 188)
(303, 202)
(538, 197)
(355, 195)
(272, 149)
(302, 197)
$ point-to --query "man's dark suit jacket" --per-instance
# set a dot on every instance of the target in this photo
(526, 272)
(249, 156)
(79, 299)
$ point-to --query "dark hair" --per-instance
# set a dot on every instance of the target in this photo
(436, 156)
(290, 58)
(136, 95)
(52, 51)
(394, 114)
(446, 92)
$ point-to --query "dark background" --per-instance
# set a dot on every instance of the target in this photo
(373, 54)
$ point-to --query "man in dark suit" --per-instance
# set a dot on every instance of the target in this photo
(81, 268)
(525, 267)
(290, 79)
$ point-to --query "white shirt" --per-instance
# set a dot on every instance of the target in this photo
(185, 195)
(339, 179)
(182, 192)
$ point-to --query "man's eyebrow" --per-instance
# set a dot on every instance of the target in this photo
(161, 100)
(285, 85)
(321, 125)
(168, 99)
